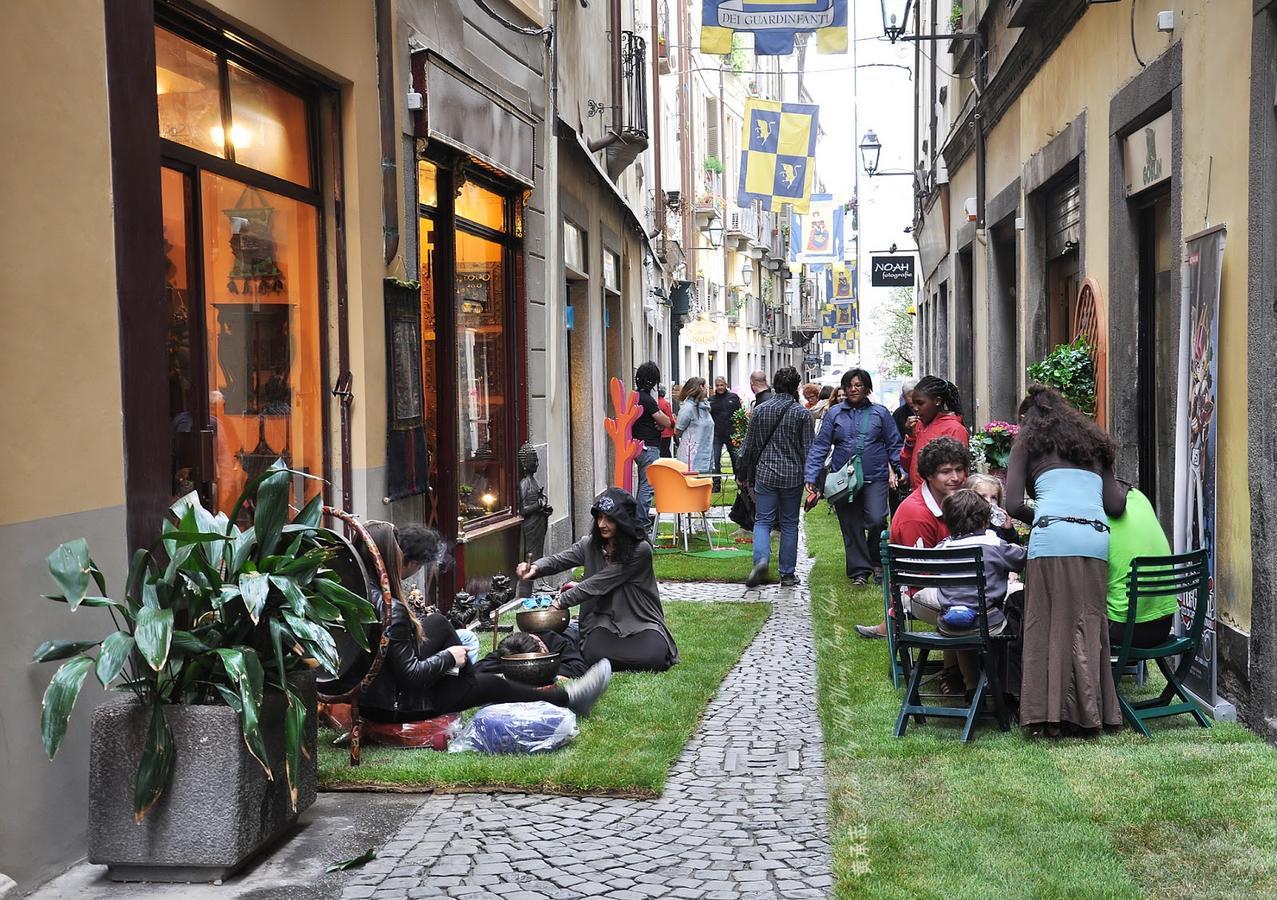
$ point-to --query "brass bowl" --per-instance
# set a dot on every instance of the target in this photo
(534, 669)
(534, 620)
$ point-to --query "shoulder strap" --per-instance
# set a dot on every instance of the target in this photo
(772, 433)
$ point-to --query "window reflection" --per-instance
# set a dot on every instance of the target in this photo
(483, 381)
(481, 205)
(427, 184)
(269, 129)
(186, 87)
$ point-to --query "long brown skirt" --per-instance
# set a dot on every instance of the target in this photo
(1067, 677)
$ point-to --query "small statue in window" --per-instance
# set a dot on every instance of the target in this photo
(533, 505)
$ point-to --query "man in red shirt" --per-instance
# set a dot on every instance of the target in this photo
(919, 520)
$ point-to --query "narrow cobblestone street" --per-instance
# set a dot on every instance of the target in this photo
(742, 816)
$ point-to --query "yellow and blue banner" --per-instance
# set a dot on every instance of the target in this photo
(816, 238)
(779, 160)
(840, 283)
(774, 24)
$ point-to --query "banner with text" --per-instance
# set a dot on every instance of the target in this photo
(774, 24)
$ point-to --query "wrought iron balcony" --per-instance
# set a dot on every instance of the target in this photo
(632, 93)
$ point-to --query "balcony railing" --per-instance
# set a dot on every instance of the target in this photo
(634, 68)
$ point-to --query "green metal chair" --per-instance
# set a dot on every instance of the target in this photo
(912, 567)
(1161, 576)
(897, 672)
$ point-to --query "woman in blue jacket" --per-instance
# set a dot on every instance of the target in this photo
(857, 426)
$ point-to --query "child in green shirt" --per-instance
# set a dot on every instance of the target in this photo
(1137, 533)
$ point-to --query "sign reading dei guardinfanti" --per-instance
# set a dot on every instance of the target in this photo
(892, 271)
(774, 24)
(1146, 153)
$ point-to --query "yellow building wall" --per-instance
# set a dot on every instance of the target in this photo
(59, 331)
(1094, 61)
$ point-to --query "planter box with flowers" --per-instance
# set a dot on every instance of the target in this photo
(211, 755)
(991, 447)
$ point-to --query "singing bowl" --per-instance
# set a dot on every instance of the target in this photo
(534, 620)
(535, 669)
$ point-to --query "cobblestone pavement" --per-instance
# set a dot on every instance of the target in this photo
(742, 816)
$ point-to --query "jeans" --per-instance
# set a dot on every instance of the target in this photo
(777, 508)
(644, 491)
(866, 513)
(718, 458)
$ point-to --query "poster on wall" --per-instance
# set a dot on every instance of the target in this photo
(816, 237)
(1197, 438)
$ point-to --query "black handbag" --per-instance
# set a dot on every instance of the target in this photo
(743, 510)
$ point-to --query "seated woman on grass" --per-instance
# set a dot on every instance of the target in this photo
(426, 672)
(621, 617)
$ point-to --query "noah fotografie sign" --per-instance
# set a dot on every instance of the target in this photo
(1146, 153)
(892, 271)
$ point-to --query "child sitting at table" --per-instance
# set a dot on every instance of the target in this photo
(967, 515)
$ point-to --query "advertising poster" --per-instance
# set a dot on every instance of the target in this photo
(816, 238)
(1197, 437)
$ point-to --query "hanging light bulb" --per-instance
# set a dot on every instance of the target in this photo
(241, 137)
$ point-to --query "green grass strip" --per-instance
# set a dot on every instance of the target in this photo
(1190, 812)
(625, 747)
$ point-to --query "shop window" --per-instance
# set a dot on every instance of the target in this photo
(427, 184)
(481, 206)
(245, 348)
(188, 93)
(483, 382)
(268, 127)
(430, 336)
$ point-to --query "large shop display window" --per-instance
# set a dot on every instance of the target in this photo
(241, 238)
(475, 370)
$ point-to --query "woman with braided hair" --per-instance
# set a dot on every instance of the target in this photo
(937, 413)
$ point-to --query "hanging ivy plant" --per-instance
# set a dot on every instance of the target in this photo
(1070, 370)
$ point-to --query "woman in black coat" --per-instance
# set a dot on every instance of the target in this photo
(426, 672)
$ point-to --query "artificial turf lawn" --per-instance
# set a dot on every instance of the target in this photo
(626, 746)
(1189, 812)
(678, 566)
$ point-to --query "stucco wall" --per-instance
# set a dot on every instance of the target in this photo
(1080, 77)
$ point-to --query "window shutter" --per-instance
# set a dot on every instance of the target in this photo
(713, 145)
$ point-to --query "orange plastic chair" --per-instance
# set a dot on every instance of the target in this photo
(679, 494)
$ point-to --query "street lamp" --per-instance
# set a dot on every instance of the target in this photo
(870, 150)
(747, 273)
(895, 18)
(715, 231)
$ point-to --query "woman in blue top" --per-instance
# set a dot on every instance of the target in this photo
(1065, 462)
(694, 426)
(858, 426)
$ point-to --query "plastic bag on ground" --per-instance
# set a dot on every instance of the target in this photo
(517, 728)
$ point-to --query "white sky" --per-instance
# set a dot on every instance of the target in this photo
(885, 95)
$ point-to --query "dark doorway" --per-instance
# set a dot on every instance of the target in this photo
(1157, 355)
(963, 374)
(1004, 325)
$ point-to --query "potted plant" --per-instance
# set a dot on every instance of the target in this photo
(991, 446)
(713, 165)
(1070, 369)
(211, 753)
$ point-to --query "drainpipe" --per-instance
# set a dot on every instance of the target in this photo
(656, 120)
(387, 95)
(613, 136)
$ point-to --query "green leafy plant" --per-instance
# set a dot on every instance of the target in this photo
(1071, 371)
(740, 425)
(714, 165)
(993, 443)
(955, 16)
(211, 613)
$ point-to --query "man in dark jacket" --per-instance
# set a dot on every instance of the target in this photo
(758, 384)
(723, 405)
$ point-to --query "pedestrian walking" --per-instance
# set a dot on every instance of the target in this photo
(647, 428)
(694, 427)
(1065, 461)
(667, 434)
(723, 404)
(860, 428)
(772, 456)
(758, 384)
(937, 413)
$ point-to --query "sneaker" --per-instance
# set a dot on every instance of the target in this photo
(790, 580)
(860, 580)
(585, 691)
(869, 631)
(756, 575)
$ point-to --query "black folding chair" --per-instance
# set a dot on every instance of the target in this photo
(916, 568)
(1162, 576)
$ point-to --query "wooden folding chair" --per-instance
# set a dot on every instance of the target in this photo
(1161, 576)
(916, 568)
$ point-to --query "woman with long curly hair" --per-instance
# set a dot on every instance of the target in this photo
(937, 409)
(426, 671)
(621, 620)
(1065, 462)
(695, 426)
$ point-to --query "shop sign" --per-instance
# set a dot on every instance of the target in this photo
(611, 271)
(1147, 155)
(892, 271)
(702, 332)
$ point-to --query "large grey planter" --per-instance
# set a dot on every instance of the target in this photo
(218, 810)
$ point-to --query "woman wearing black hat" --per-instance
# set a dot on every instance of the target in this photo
(621, 617)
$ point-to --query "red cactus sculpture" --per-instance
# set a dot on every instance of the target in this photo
(619, 430)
